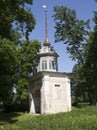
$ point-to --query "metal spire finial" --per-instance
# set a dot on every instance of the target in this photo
(46, 42)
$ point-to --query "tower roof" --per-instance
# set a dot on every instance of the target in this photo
(47, 55)
(46, 42)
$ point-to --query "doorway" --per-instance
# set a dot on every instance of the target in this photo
(37, 104)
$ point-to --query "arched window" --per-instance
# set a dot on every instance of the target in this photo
(52, 64)
(44, 65)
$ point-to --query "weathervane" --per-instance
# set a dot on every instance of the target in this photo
(45, 7)
(46, 43)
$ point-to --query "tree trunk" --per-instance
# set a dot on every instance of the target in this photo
(94, 99)
(89, 95)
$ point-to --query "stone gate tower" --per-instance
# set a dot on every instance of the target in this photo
(50, 90)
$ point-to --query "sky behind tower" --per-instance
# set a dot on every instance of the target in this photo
(84, 10)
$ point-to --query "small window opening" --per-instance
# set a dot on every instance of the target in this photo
(57, 85)
(44, 65)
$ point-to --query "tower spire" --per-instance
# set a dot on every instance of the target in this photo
(46, 42)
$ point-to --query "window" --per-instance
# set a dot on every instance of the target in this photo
(52, 65)
(57, 85)
(44, 65)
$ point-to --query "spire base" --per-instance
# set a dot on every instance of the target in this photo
(46, 43)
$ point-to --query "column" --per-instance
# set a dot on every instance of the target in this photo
(32, 104)
(45, 95)
(68, 94)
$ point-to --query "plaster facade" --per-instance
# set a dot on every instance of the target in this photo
(50, 93)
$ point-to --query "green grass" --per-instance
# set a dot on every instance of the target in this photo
(78, 119)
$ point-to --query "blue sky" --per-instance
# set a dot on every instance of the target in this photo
(84, 10)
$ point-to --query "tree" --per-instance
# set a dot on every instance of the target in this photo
(91, 63)
(28, 57)
(74, 33)
(16, 22)
(8, 68)
(15, 17)
(70, 31)
(81, 44)
(28, 61)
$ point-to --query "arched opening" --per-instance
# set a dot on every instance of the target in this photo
(36, 98)
(52, 64)
(44, 65)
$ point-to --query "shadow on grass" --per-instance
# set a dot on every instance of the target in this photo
(8, 117)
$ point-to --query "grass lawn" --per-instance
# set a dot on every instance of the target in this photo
(78, 119)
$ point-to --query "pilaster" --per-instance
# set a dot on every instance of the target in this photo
(45, 95)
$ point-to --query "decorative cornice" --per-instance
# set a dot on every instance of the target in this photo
(48, 54)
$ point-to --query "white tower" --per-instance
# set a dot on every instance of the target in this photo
(47, 55)
(49, 90)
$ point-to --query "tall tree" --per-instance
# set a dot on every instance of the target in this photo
(82, 48)
(70, 31)
(28, 61)
(28, 57)
(16, 21)
(8, 68)
(15, 16)
(91, 63)
(74, 33)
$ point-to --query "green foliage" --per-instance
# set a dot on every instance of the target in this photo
(70, 30)
(15, 13)
(82, 46)
(8, 68)
(78, 119)
(79, 85)
(16, 22)
(28, 61)
(28, 57)
(90, 68)
(21, 97)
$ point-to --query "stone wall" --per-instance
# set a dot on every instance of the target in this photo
(50, 94)
(59, 95)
